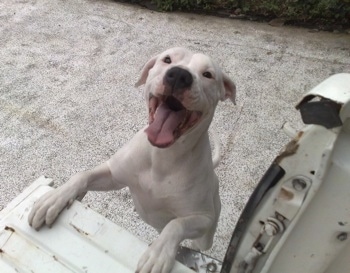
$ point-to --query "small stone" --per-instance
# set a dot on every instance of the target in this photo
(277, 22)
(239, 16)
(237, 11)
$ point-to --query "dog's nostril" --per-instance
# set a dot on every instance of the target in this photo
(178, 78)
(187, 78)
(171, 76)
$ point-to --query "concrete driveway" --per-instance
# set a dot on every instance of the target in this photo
(67, 101)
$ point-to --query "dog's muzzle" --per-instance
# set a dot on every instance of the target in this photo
(168, 118)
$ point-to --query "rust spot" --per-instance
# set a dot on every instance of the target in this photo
(79, 230)
(9, 228)
(285, 195)
(300, 134)
(290, 149)
(1, 251)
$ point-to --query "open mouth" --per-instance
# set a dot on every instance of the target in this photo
(168, 120)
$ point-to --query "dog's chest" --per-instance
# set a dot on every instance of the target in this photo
(157, 202)
(158, 188)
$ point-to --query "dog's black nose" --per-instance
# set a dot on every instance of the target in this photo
(178, 78)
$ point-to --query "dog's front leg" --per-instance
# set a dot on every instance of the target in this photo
(48, 207)
(160, 256)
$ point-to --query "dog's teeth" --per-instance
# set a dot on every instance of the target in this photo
(182, 123)
(185, 119)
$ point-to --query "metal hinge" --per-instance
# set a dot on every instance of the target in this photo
(287, 204)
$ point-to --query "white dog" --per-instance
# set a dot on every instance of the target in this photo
(167, 165)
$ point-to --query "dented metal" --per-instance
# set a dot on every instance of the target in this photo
(310, 200)
(328, 103)
(322, 112)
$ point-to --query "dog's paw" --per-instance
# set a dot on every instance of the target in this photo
(48, 207)
(158, 258)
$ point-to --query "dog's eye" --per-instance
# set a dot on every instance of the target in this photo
(208, 75)
(167, 60)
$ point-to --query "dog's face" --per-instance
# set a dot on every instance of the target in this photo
(181, 88)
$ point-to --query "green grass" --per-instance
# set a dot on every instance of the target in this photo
(322, 12)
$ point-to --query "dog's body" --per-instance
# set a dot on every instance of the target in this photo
(168, 165)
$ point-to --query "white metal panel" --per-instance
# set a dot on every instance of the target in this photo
(81, 240)
(313, 244)
(310, 201)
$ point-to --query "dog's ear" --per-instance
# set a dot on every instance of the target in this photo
(229, 89)
(144, 73)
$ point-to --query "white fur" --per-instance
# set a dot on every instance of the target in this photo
(174, 189)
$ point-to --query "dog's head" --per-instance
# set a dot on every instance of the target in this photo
(181, 88)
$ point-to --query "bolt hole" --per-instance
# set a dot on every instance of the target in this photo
(312, 172)
(259, 246)
(342, 236)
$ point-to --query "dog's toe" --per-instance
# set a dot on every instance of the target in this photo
(158, 258)
(37, 221)
(51, 215)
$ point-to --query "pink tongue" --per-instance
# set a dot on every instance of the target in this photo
(161, 131)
